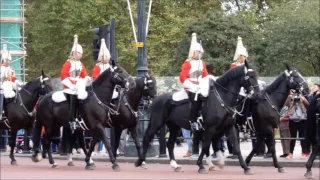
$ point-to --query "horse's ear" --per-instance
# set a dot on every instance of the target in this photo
(42, 73)
(246, 64)
(147, 75)
(113, 63)
(288, 67)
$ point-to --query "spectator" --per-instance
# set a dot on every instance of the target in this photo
(285, 131)
(297, 108)
(187, 135)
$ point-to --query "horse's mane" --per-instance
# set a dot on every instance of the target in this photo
(271, 87)
(101, 77)
(230, 75)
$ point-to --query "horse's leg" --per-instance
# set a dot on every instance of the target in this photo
(208, 135)
(81, 142)
(73, 140)
(260, 139)
(134, 135)
(271, 147)
(90, 164)
(232, 135)
(174, 130)
(100, 133)
(13, 137)
(46, 145)
(221, 160)
(309, 164)
(117, 134)
(151, 131)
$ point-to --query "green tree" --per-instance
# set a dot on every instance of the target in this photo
(218, 32)
(291, 35)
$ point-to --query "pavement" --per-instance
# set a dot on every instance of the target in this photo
(34, 171)
(180, 151)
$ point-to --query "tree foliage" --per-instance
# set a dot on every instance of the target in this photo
(274, 31)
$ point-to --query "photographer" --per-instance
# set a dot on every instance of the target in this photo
(297, 108)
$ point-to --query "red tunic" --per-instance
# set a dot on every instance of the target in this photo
(10, 74)
(188, 68)
(233, 65)
(68, 70)
(98, 69)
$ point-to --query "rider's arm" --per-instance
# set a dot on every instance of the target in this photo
(95, 72)
(184, 74)
(205, 71)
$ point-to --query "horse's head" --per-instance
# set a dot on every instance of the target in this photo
(250, 80)
(40, 85)
(122, 77)
(295, 80)
(150, 86)
(46, 84)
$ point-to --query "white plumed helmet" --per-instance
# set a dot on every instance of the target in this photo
(240, 50)
(5, 53)
(76, 47)
(103, 50)
(194, 46)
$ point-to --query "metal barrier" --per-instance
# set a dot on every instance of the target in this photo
(162, 139)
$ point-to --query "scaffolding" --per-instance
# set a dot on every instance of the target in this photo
(12, 33)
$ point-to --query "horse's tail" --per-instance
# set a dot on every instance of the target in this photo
(160, 110)
(65, 140)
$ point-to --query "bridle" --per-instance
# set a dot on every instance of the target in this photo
(249, 92)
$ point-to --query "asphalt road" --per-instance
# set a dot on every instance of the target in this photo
(26, 169)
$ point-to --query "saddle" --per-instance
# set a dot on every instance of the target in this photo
(181, 96)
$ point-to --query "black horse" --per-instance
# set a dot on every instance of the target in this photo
(126, 117)
(20, 109)
(265, 109)
(313, 132)
(217, 111)
(92, 110)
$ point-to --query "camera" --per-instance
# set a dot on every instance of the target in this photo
(296, 98)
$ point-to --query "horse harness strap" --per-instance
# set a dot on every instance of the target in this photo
(227, 108)
(270, 102)
(135, 113)
(6, 122)
(33, 112)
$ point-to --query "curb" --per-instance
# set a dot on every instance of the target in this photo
(154, 160)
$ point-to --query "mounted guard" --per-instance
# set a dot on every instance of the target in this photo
(240, 56)
(9, 82)
(192, 71)
(74, 78)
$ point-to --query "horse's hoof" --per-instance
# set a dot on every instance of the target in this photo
(93, 164)
(138, 163)
(116, 167)
(44, 156)
(309, 175)
(178, 169)
(203, 171)
(248, 172)
(221, 165)
(55, 166)
(212, 168)
(36, 158)
(70, 164)
(143, 166)
(14, 163)
(89, 167)
(281, 170)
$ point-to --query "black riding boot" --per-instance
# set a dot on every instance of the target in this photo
(194, 111)
(1, 105)
(72, 99)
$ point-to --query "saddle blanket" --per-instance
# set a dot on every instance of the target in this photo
(204, 89)
(59, 96)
